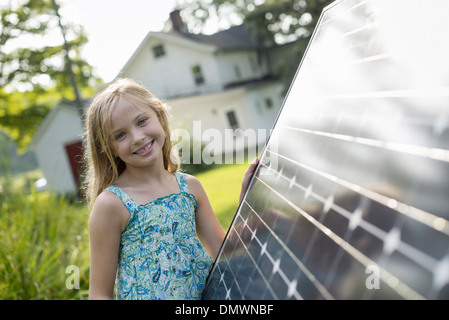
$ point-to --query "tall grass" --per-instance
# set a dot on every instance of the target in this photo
(41, 234)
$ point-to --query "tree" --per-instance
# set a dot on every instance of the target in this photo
(33, 78)
(271, 22)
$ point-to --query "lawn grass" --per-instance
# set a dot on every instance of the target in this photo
(222, 186)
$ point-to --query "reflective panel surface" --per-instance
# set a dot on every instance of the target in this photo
(351, 198)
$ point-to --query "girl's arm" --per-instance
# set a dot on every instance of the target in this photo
(208, 228)
(105, 227)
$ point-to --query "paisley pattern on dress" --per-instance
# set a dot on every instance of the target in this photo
(160, 254)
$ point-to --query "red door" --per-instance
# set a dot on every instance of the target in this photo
(75, 154)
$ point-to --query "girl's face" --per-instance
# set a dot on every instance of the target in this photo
(137, 134)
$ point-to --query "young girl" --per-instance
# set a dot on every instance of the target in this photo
(152, 229)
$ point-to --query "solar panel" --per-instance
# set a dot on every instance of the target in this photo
(351, 196)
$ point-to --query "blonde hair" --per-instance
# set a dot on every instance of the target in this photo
(102, 167)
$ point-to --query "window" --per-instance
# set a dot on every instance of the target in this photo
(197, 75)
(158, 51)
(269, 103)
(232, 119)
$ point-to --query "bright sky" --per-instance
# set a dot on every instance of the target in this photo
(115, 28)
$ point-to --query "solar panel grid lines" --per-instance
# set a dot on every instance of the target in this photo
(349, 200)
(387, 277)
(438, 223)
(238, 291)
(391, 239)
(262, 246)
(276, 266)
(292, 284)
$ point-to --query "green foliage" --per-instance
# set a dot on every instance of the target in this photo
(33, 79)
(41, 234)
(281, 21)
(31, 67)
(270, 21)
(21, 113)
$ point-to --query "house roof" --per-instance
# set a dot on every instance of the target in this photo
(235, 37)
(71, 106)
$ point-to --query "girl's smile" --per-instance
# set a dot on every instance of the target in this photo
(146, 149)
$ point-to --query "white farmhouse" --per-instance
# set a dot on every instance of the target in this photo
(213, 83)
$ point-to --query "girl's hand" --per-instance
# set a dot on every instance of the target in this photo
(247, 177)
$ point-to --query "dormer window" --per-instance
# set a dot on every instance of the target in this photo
(197, 74)
(158, 51)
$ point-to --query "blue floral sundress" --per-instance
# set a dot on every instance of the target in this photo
(160, 254)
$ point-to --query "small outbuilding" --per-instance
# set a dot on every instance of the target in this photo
(58, 147)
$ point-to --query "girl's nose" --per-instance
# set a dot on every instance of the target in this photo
(137, 136)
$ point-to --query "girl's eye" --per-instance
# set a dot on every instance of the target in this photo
(142, 121)
(119, 136)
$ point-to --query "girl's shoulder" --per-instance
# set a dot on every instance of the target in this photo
(108, 208)
(107, 200)
(192, 181)
(195, 186)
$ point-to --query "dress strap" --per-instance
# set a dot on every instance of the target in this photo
(127, 201)
(182, 182)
